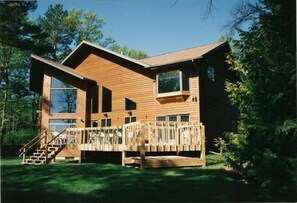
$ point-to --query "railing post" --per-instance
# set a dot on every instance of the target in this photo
(24, 155)
(202, 155)
(46, 153)
(142, 147)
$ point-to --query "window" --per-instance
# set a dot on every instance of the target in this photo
(173, 81)
(161, 118)
(106, 100)
(130, 119)
(94, 99)
(211, 73)
(105, 122)
(174, 118)
(62, 97)
(129, 105)
(59, 125)
(94, 123)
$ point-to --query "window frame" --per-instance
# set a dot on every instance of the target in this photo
(58, 89)
(181, 90)
(105, 120)
(130, 119)
(68, 124)
(170, 116)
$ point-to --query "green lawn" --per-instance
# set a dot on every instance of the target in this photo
(113, 183)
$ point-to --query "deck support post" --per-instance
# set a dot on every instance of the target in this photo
(142, 147)
(202, 155)
(123, 158)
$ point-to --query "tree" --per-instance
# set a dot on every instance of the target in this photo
(264, 147)
(67, 28)
(60, 36)
(133, 53)
(17, 38)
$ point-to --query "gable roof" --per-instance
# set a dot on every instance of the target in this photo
(68, 64)
(85, 45)
(183, 55)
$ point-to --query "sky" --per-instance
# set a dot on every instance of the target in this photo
(154, 26)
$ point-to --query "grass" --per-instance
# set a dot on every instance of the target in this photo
(113, 183)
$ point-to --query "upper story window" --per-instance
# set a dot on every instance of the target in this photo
(211, 73)
(94, 99)
(175, 81)
(62, 97)
(106, 100)
(129, 105)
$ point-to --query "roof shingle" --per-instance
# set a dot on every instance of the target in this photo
(181, 56)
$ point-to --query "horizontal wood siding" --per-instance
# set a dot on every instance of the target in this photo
(137, 84)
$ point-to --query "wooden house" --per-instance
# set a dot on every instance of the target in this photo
(97, 102)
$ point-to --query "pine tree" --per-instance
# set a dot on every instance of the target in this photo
(264, 148)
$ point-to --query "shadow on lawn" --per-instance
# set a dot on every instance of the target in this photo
(107, 182)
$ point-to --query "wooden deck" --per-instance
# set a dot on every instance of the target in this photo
(140, 138)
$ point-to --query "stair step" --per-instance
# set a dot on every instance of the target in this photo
(37, 157)
(34, 161)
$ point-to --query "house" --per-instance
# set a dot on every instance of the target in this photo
(157, 106)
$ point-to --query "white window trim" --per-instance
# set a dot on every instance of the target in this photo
(175, 93)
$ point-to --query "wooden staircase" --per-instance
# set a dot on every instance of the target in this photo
(41, 156)
(46, 149)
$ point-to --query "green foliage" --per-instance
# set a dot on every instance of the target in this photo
(66, 28)
(264, 147)
(20, 137)
(59, 34)
(16, 30)
(132, 53)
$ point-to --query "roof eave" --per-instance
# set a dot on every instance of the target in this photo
(155, 67)
(105, 50)
(58, 66)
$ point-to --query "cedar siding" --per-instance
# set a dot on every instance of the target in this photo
(89, 65)
(138, 85)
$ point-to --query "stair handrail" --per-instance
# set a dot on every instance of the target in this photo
(23, 149)
(54, 138)
(50, 141)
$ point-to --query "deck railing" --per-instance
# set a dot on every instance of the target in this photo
(153, 132)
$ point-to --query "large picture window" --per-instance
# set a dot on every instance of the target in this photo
(62, 97)
(173, 81)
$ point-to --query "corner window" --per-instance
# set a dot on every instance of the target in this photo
(173, 81)
(106, 99)
(211, 73)
(62, 97)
